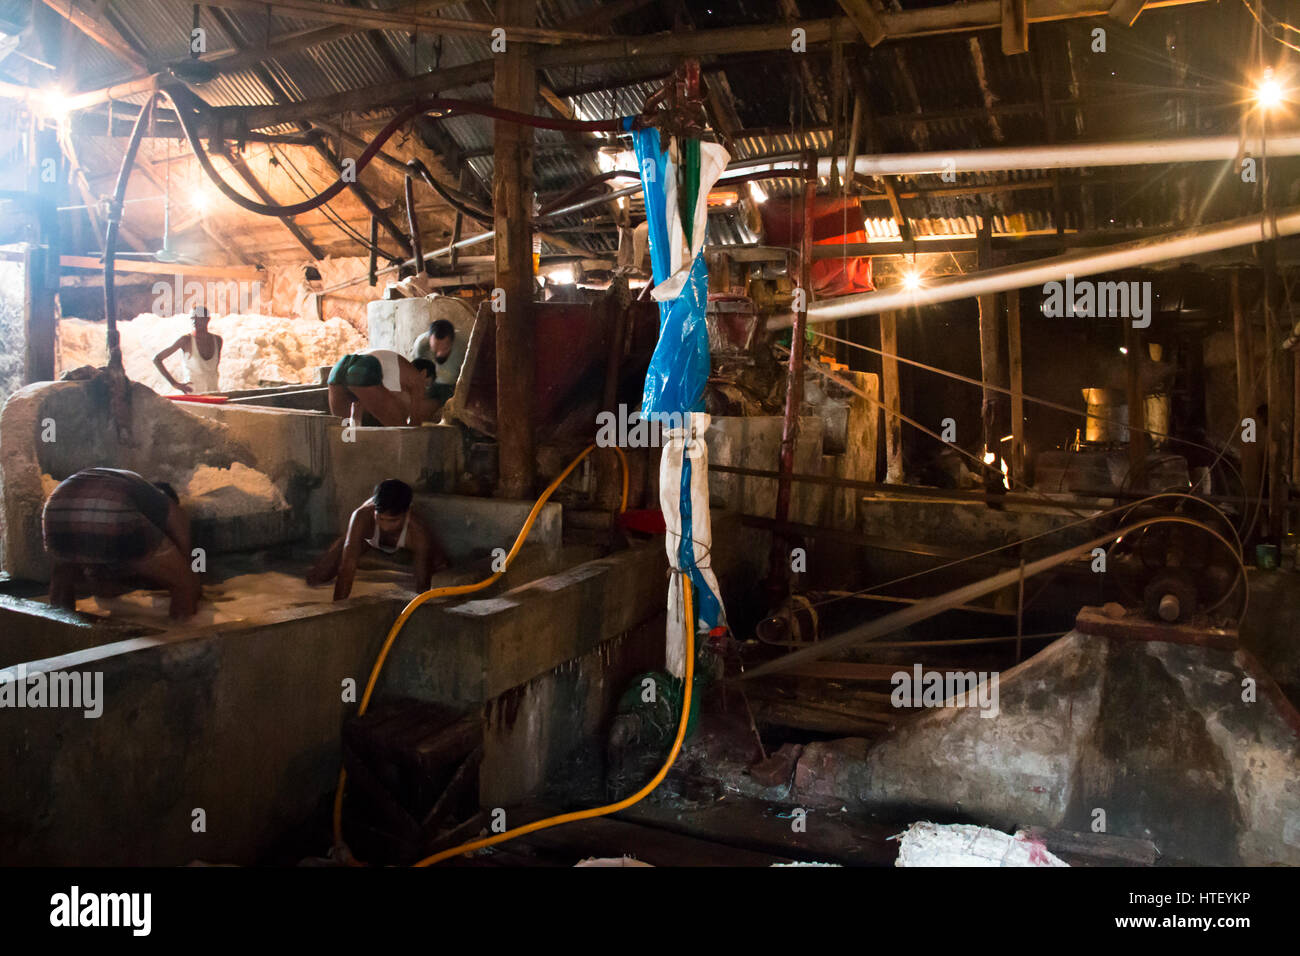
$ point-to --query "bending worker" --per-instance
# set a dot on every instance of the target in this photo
(105, 523)
(440, 346)
(202, 356)
(384, 384)
(385, 523)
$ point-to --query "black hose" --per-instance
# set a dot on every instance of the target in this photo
(417, 253)
(176, 94)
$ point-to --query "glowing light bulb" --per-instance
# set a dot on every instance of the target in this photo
(912, 280)
(200, 200)
(1269, 93)
(53, 103)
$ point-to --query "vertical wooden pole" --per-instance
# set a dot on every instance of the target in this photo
(779, 561)
(1295, 417)
(1245, 390)
(891, 399)
(1278, 414)
(41, 262)
(1137, 418)
(515, 88)
(1017, 387)
(990, 356)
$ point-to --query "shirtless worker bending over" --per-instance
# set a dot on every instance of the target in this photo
(384, 384)
(385, 523)
(104, 523)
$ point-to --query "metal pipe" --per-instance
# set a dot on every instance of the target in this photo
(1083, 262)
(1191, 149)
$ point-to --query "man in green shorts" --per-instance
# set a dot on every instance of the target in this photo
(384, 384)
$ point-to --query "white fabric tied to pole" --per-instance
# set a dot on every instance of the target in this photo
(713, 162)
(685, 444)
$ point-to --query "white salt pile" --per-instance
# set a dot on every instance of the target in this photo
(225, 492)
(961, 844)
(256, 349)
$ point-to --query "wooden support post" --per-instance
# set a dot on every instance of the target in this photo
(990, 355)
(1250, 468)
(1015, 27)
(892, 401)
(515, 88)
(373, 270)
(1137, 418)
(41, 262)
(1016, 358)
(1295, 417)
(1278, 412)
(779, 562)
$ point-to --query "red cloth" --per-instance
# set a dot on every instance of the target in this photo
(835, 221)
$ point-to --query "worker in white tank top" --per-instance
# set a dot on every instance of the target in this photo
(202, 351)
(385, 516)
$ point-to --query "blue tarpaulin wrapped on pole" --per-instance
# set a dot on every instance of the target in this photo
(676, 183)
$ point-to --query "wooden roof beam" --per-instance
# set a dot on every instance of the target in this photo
(866, 18)
(366, 19)
(97, 27)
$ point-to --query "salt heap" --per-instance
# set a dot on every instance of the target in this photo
(225, 492)
(256, 350)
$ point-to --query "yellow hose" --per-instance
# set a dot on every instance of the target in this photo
(453, 591)
(689, 619)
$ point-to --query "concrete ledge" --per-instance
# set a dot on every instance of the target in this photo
(471, 528)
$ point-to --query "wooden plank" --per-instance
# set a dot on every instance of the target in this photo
(1100, 848)
(164, 268)
(1126, 11)
(858, 671)
(1016, 356)
(892, 400)
(1015, 27)
(609, 837)
(738, 821)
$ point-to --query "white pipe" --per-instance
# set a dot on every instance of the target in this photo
(1083, 262)
(1193, 149)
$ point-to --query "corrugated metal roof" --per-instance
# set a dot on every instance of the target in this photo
(940, 92)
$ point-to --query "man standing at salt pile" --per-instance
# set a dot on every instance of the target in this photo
(384, 384)
(202, 356)
(103, 523)
(385, 523)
